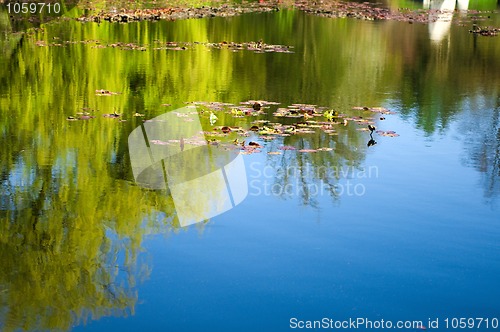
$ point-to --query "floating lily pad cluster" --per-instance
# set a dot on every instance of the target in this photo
(299, 111)
(256, 47)
(246, 108)
(171, 14)
(310, 120)
(485, 31)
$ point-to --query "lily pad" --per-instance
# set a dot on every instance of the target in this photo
(304, 131)
(112, 115)
(389, 133)
(103, 92)
(287, 147)
(249, 149)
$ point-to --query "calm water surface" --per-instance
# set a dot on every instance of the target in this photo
(407, 229)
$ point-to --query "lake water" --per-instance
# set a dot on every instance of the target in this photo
(406, 229)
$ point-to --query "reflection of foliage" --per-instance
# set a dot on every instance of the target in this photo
(69, 240)
(70, 232)
(310, 174)
(482, 143)
(435, 77)
(52, 281)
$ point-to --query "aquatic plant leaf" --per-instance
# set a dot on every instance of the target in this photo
(304, 131)
(103, 92)
(254, 144)
(249, 150)
(112, 115)
(213, 118)
(389, 133)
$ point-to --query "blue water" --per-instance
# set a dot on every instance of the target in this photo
(421, 243)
